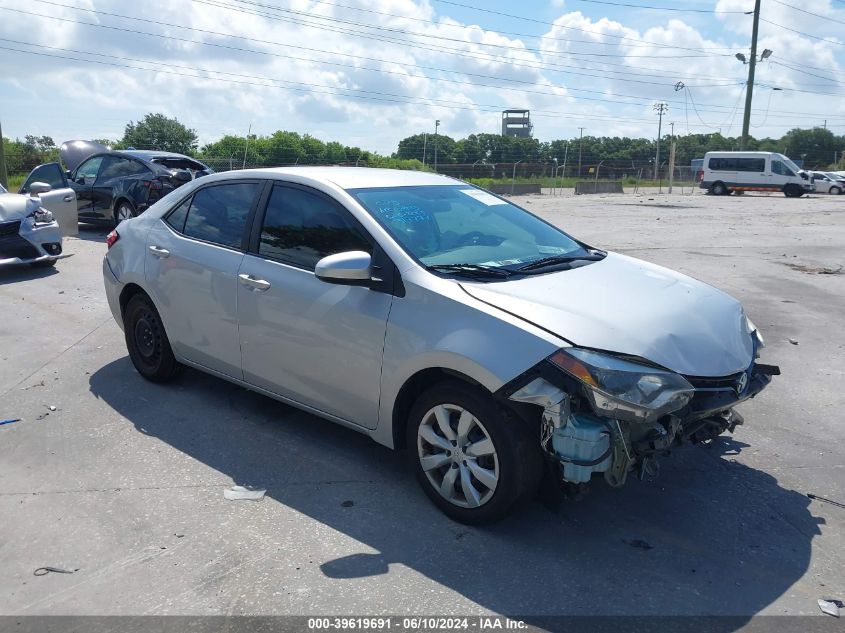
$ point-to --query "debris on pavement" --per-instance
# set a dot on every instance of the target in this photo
(831, 607)
(51, 407)
(348, 503)
(244, 492)
(43, 571)
(42, 416)
(639, 544)
(830, 501)
(793, 341)
(9, 421)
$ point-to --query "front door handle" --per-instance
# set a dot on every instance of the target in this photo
(159, 252)
(68, 198)
(255, 284)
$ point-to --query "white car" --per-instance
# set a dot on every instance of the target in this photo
(828, 183)
(434, 316)
(29, 234)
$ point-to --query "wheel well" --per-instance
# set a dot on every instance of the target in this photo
(117, 202)
(127, 293)
(412, 389)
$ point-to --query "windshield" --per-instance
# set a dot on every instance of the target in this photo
(460, 224)
(789, 163)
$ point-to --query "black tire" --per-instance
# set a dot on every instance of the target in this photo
(517, 454)
(147, 343)
(719, 189)
(44, 263)
(793, 191)
(835, 191)
(123, 210)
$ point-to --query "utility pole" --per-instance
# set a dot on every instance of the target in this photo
(3, 177)
(425, 142)
(661, 109)
(580, 139)
(749, 89)
(246, 145)
(436, 125)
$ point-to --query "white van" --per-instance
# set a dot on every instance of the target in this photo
(724, 172)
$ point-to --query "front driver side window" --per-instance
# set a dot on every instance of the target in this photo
(87, 171)
(301, 228)
(781, 169)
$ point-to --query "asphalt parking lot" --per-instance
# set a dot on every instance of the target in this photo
(122, 480)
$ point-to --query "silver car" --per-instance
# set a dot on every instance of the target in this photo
(29, 234)
(436, 317)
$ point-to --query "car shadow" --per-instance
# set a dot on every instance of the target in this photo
(93, 232)
(711, 536)
(24, 272)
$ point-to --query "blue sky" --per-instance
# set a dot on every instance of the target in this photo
(370, 72)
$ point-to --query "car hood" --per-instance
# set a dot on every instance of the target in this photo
(14, 206)
(625, 305)
(73, 153)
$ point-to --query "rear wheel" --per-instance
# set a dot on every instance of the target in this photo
(835, 191)
(123, 211)
(147, 343)
(719, 189)
(472, 458)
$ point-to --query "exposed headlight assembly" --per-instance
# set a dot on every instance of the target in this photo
(42, 216)
(622, 389)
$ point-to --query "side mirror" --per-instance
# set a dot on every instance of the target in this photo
(37, 188)
(353, 268)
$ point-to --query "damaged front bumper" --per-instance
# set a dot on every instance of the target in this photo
(25, 241)
(582, 439)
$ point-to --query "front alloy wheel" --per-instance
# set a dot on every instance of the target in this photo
(458, 456)
(473, 457)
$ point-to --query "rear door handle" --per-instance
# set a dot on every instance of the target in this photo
(255, 284)
(159, 252)
(68, 198)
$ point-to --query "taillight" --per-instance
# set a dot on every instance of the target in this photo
(111, 238)
(700, 175)
(152, 184)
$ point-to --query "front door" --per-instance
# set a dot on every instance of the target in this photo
(60, 200)
(192, 261)
(316, 343)
(82, 182)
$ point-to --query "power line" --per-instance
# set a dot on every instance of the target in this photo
(551, 68)
(815, 37)
(645, 6)
(818, 15)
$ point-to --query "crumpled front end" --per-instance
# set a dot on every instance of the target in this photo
(28, 233)
(614, 415)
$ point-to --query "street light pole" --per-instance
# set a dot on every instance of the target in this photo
(749, 89)
(3, 177)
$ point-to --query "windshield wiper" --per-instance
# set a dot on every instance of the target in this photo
(552, 260)
(475, 270)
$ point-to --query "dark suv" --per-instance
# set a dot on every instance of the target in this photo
(112, 186)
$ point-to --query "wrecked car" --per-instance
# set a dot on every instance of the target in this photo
(435, 317)
(112, 186)
(29, 234)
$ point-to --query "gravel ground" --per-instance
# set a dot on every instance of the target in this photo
(122, 480)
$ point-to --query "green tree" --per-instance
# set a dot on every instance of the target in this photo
(158, 132)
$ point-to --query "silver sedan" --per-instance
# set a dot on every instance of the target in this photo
(435, 317)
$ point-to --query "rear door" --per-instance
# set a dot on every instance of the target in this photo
(316, 343)
(192, 262)
(119, 176)
(60, 200)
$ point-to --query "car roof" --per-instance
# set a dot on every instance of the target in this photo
(148, 154)
(347, 177)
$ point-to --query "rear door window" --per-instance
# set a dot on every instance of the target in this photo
(301, 227)
(218, 214)
(116, 167)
